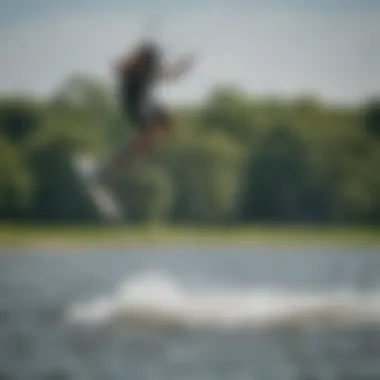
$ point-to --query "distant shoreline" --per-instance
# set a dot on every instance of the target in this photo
(80, 237)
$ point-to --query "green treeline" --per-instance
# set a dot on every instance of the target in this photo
(234, 159)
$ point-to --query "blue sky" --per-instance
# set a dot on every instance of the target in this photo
(17, 10)
(329, 48)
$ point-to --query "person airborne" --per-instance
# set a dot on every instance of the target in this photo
(137, 74)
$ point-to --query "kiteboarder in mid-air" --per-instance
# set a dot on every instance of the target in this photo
(137, 73)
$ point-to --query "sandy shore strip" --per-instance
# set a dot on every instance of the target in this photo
(74, 238)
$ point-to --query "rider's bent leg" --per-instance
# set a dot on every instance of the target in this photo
(146, 141)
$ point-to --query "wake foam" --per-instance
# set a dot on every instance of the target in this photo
(157, 300)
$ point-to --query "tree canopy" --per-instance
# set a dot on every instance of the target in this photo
(234, 159)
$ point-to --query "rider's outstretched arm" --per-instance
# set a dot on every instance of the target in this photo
(176, 70)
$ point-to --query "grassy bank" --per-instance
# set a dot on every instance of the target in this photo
(31, 236)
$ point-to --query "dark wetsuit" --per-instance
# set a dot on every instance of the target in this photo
(136, 86)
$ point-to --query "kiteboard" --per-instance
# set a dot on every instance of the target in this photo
(102, 198)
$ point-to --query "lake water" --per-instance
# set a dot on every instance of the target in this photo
(191, 313)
